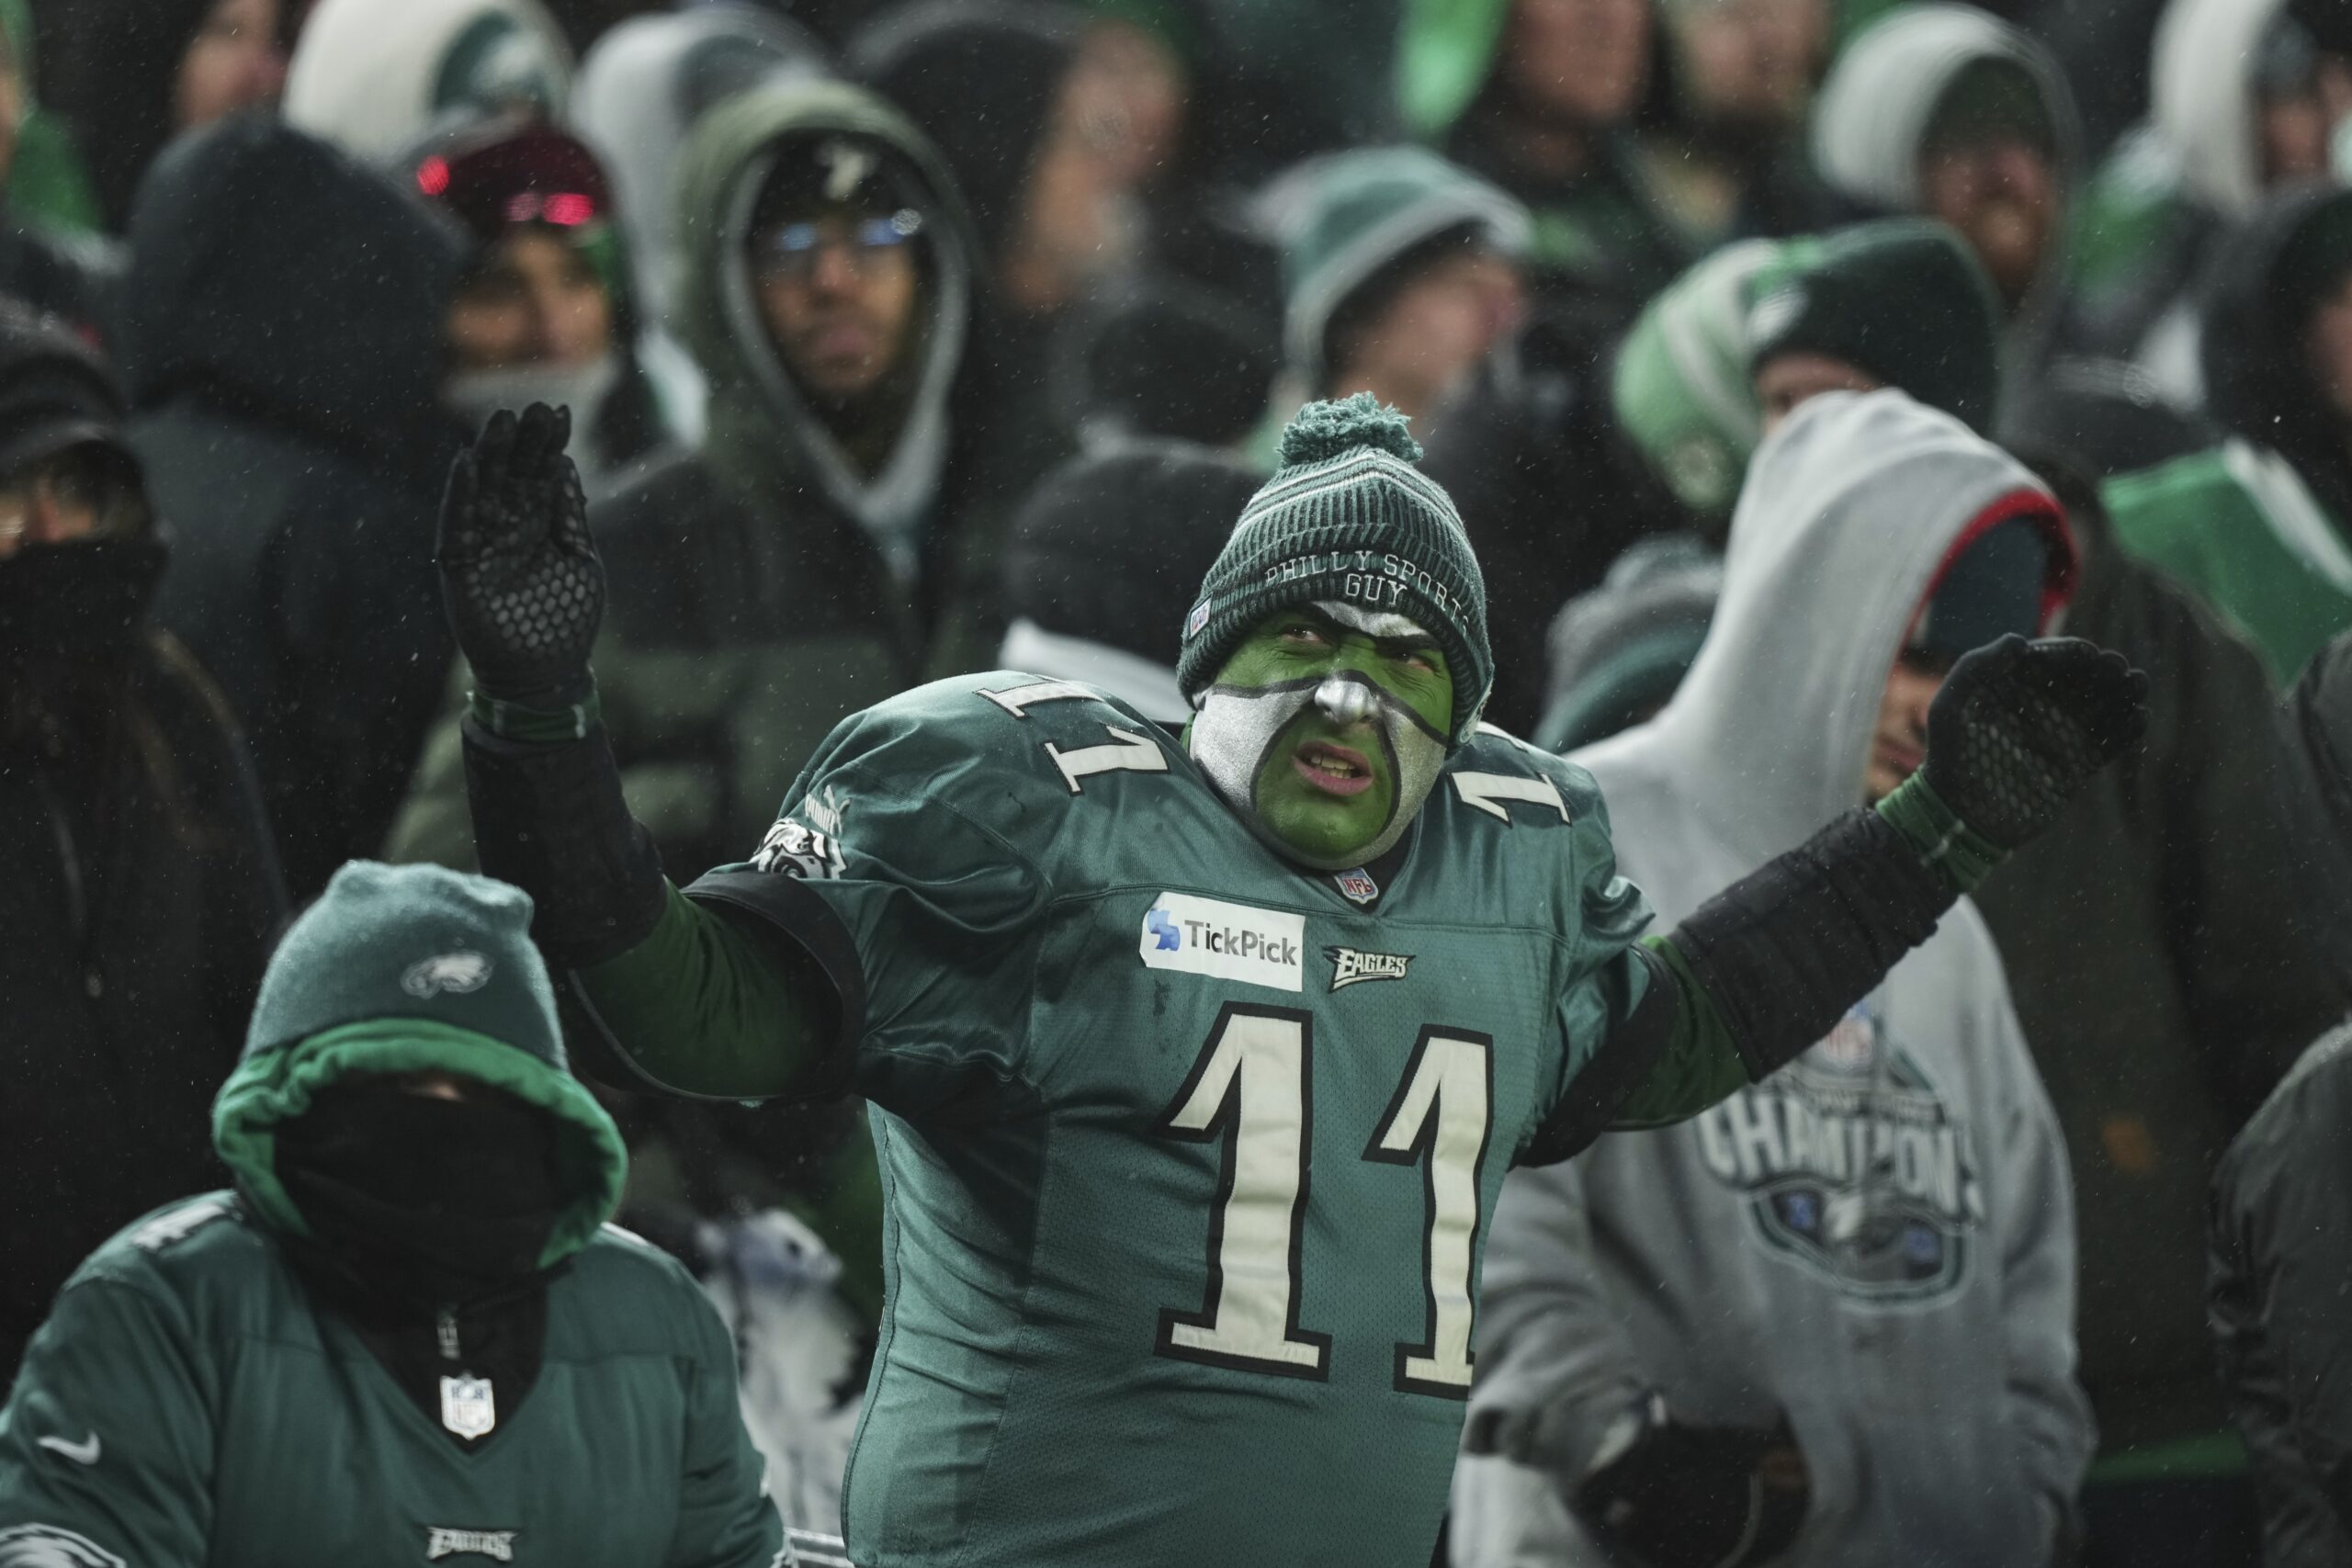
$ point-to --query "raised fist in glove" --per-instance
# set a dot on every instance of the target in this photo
(524, 588)
(2018, 725)
(1676, 1496)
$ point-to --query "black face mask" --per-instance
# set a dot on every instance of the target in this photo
(428, 1203)
(74, 605)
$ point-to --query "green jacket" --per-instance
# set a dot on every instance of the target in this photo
(2242, 529)
(190, 1403)
(192, 1400)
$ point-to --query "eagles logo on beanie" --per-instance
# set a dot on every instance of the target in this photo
(1347, 517)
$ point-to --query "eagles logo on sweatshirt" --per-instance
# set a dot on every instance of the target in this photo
(1854, 1167)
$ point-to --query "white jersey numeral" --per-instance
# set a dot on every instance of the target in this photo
(1489, 792)
(1251, 1091)
(1440, 1117)
(1128, 752)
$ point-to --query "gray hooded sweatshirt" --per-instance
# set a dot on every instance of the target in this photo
(1878, 1239)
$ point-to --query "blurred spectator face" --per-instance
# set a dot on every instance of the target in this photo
(1578, 62)
(2297, 125)
(1431, 331)
(1785, 381)
(1126, 98)
(1900, 744)
(12, 106)
(839, 290)
(2328, 341)
(1751, 61)
(1078, 215)
(2001, 193)
(60, 500)
(533, 299)
(235, 61)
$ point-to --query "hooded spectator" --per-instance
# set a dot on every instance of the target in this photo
(2281, 1234)
(376, 80)
(137, 883)
(1537, 96)
(282, 341)
(1093, 602)
(1403, 271)
(542, 313)
(1898, 303)
(1945, 111)
(1875, 542)
(408, 1322)
(1739, 75)
(127, 75)
(642, 89)
(2258, 525)
(803, 563)
(2245, 100)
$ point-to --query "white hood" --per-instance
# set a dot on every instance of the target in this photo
(1848, 514)
(2201, 97)
(1873, 109)
(644, 86)
(374, 77)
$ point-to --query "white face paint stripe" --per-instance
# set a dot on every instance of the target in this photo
(1373, 623)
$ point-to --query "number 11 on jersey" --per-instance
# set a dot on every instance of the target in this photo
(1251, 1090)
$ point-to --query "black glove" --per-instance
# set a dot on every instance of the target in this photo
(1685, 1497)
(2019, 726)
(519, 575)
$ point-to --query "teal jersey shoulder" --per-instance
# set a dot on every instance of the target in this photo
(188, 1399)
(1189, 1151)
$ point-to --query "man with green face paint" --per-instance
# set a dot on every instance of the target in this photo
(1194, 1063)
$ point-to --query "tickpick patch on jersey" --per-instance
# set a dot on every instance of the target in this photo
(1224, 942)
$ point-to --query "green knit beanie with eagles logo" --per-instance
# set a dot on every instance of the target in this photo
(1347, 517)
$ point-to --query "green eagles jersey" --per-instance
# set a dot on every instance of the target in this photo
(1188, 1153)
(188, 1403)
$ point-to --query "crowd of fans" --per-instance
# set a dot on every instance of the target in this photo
(903, 338)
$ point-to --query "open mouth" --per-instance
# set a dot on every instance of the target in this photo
(1334, 770)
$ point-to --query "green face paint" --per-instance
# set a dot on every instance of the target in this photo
(1328, 726)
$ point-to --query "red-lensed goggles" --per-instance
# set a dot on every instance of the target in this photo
(534, 174)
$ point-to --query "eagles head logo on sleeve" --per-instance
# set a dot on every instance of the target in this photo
(791, 850)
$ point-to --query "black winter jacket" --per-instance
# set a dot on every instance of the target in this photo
(139, 898)
(281, 341)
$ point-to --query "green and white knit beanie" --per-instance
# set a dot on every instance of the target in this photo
(1347, 517)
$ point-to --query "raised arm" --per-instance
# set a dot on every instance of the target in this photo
(1762, 970)
(671, 994)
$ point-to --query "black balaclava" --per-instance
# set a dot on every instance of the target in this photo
(425, 1203)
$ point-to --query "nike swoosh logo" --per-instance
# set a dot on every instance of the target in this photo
(84, 1453)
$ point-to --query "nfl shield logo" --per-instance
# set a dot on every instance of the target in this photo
(1358, 885)
(467, 1408)
(1196, 620)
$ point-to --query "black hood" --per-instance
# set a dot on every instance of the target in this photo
(2257, 381)
(274, 275)
(981, 78)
